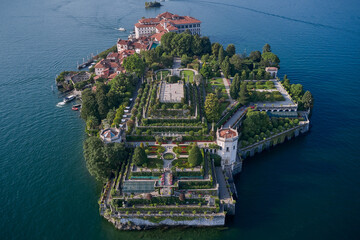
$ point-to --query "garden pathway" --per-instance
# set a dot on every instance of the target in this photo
(227, 88)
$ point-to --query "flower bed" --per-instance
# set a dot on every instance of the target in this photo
(182, 149)
(181, 163)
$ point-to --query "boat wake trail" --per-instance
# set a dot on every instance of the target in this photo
(280, 16)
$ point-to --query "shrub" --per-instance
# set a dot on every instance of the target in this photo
(195, 156)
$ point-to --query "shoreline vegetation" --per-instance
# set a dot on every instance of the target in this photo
(152, 4)
(129, 104)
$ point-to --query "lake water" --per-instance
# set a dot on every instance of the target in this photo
(307, 188)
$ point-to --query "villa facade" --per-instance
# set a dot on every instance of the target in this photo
(166, 22)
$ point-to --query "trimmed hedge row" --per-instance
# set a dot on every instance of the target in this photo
(164, 201)
(195, 185)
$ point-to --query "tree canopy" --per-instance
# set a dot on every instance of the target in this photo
(266, 48)
(212, 108)
(308, 100)
(235, 87)
(195, 156)
(139, 157)
(243, 94)
(134, 64)
(176, 44)
(101, 160)
(255, 122)
(270, 59)
(230, 50)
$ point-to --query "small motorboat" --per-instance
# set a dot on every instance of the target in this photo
(75, 109)
(69, 98)
(121, 29)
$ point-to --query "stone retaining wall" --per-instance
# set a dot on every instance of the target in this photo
(133, 223)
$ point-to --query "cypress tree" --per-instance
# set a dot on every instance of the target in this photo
(243, 94)
(221, 55)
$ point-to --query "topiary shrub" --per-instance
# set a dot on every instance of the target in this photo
(195, 156)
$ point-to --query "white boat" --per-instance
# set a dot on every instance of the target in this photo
(69, 98)
(121, 29)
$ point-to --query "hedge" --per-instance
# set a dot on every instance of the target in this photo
(164, 201)
(195, 184)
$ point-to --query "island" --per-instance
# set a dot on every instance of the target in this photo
(170, 118)
(152, 4)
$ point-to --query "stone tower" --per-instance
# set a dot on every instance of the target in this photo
(227, 139)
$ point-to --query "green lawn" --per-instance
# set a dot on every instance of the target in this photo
(153, 162)
(261, 85)
(186, 73)
(164, 74)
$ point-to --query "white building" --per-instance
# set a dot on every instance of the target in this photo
(166, 22)
(111, 135)
(227, 139)
(272, 70)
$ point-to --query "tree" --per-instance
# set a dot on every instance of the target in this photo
(296, 91)
(286, 83)
(195, 156)
(196, 45)
(111, 115)
(255, 56)
(237, 62)
(115, 154)
(226, 68)
(206, 45)
(221, 55)
(243, 94)
(270, 59)
(166, 40)
(91, 122)
(181, 43)
(230, 50)
(215, 49)
(266, 48)
(212, 108)
(95, 159)
(101, 99)
(206, 71)
(260, 74)
(255, 123)
(139, 157)
(185, 60)
(308, 100)
(134, 64)
(235, 87)
(89, 105)
(243, 75)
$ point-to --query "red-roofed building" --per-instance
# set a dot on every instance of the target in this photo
(167, 22)
(272, 70)
(133, 44)
(101, 66)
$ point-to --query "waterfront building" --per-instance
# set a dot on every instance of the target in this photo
(166, 22)
(137, 45)
(227, 139)
(272, 70)
(111, 135)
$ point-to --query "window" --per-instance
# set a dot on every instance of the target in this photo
(234, 147)
(220, 148)
(227, 149)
